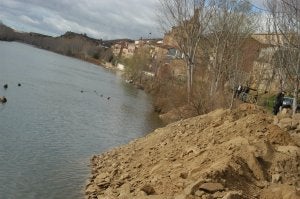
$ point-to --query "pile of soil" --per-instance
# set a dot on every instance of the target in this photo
(225, 154)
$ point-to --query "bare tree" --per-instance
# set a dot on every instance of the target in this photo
(189, 20)
(285, 23)
(232, 24)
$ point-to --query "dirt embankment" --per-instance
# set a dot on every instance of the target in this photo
(224, 154)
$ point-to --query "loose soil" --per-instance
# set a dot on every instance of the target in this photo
(224, 154)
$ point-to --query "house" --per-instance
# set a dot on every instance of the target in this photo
(124, 48)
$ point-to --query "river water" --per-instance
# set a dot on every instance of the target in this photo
(58, 118)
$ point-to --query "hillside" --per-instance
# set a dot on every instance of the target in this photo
(225, 154)
(71, 44)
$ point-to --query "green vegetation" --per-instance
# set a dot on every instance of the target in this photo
(137, 64)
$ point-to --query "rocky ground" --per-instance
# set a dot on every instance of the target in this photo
(228, 154)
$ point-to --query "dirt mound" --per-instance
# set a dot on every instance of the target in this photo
(224, 154)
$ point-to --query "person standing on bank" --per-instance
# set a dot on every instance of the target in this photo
(278, 102)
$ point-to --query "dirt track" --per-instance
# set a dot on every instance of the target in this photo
(224, 154)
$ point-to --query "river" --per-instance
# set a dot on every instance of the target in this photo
(65, 111)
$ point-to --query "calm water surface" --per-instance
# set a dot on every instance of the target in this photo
(49, 129)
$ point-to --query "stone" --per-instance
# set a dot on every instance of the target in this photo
(199, 193)
(284, 111)
(219, 194)
(91, 189)
(276, 178)
(180, 185)
(148, 189)
(125, 190)
(101, 177)
(211, 187)
(255, 166)
(184, 175)
(103, 185)
(192, 188)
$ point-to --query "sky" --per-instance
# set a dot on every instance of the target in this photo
(101, 19)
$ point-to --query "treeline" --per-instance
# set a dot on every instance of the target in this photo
(70, 44)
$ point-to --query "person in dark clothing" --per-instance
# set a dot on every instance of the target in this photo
(278, 102)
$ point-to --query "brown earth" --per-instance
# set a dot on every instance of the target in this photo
(227, 154)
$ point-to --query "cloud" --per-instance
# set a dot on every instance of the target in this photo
(98, 18)
(28, 20)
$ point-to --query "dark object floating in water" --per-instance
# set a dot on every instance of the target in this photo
(81, 91)
(5, 86)
(19, 84)
(108, 98)
(3, 99)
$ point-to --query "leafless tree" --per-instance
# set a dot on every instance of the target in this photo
(285, 23)
(189, 20)
(232, 24)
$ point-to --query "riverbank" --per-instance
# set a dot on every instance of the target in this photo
(224, 154)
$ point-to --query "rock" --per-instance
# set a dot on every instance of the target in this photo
(101, 180)
(284, 111)
(91, 189)
(124, 190)
(276, 178)
(199, 193)
(255, 166)
(180, 185)
(103, 185)
(148, 189)
(219, 194)
(192, 188)
(211, 187)
(184, 175)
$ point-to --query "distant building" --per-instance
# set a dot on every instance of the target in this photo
(124, 49)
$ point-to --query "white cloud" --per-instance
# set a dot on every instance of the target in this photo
(28, 20)
(63, 25)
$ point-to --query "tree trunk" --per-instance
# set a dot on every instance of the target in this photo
(189, 81)
(295, 95)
